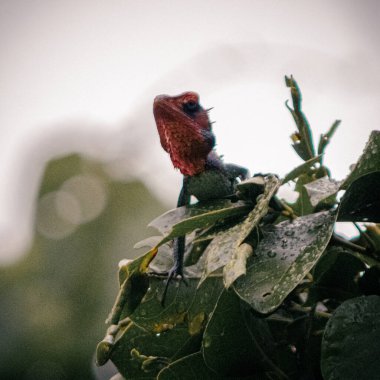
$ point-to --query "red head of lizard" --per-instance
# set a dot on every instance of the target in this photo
(185, 131)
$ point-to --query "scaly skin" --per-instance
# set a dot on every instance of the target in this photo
(186, 134)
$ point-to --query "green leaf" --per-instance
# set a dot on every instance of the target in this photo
(134, 283)
(224, 248)
(325, 138)
(160, 335)
(185, 305)
(149, 242)
(219, 252)
(321, 189)
(195, 252)
(368, 162)
(303, 205)
(303, 141)
(139, 354)
(235, 342)
(237, 266)
(350, 346)
(361, 201)
(335, 276)
(163, 261)
(188, 368)
(272, 184)
(301, 169)
(182, 220)
(283, 257)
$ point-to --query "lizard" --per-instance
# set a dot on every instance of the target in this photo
(186, 134)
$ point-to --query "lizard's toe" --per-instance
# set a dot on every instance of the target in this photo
(173, 274)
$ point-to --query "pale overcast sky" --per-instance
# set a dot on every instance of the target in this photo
(81, 76)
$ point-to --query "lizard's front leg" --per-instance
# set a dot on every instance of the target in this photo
(236, 171)
(178, 244)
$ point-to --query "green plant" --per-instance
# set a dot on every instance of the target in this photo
(269, 295)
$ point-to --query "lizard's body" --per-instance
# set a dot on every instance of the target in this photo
(186, 134)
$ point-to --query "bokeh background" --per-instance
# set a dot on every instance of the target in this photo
(81, 168)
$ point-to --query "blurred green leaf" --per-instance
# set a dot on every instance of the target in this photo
(283, 257)
(54, 299)
(350, 346)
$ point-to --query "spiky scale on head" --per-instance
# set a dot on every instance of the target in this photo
(185, 131)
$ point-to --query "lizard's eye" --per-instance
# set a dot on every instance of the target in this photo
(190, 106)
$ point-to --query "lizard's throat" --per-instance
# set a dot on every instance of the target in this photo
(187, 154)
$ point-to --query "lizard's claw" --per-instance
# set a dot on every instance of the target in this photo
(173, 274)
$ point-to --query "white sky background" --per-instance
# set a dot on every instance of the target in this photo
(81, 76)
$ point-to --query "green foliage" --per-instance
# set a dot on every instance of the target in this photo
(272, 292)
(350, 346)
(54, 300)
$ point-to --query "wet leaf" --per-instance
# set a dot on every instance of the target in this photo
(235, 342)
(188, 368)
(272, 184)
(224, 248)
(283, 257)
(238, 265)
(202, 239)
(350, 346)
(182, 220)
(183, 304)
(139, 354)
(219, 252)
(321, 189)
(361, 201)
(368, 162)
